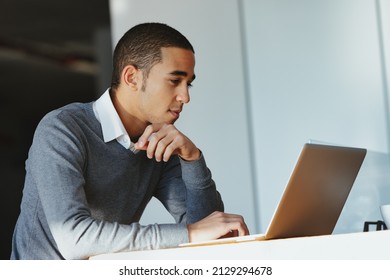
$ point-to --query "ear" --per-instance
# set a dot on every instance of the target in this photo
(131, 76)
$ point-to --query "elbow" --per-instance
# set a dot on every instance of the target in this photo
(71, 250)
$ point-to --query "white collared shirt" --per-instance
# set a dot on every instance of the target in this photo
(112, 125)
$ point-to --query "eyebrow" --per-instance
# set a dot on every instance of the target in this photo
(182, 74)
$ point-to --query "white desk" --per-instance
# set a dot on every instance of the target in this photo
(373, 245)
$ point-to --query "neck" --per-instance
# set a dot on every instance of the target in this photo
(133, 125)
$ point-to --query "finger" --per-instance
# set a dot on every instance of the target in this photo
(229, 223)
(163, 143)
(153, 141)
(161, 147)
(177, 145)
(235, 229)
(169, 151)
(167, 146)
(236, 224)
(232, 233)
(216, 225)
(143, 140)
(241, 228)
(173, 148)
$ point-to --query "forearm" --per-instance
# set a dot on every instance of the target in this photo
(98, 237)
(202, 197)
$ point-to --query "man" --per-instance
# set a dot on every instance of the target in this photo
(93, 167)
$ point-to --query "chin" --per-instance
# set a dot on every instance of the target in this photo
(172, 120)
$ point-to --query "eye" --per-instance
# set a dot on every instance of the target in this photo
(175, 82)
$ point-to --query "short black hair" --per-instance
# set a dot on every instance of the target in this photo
(141, 47)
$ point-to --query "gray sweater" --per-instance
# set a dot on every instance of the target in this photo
(84, 197)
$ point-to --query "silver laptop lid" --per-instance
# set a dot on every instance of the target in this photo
(316, 192)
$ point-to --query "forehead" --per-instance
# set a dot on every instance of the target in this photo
(177, 60)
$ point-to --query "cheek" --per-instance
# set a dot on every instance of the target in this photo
(153, 103)
(160, 96)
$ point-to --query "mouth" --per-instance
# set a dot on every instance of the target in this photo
(175, 113)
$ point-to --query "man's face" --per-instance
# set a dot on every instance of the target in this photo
(167, 86)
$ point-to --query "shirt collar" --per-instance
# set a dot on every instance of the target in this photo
(112, 125)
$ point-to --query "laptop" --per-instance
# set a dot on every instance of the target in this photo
(314, 196)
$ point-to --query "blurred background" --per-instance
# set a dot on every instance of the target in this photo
(271, 75)
(51, 54)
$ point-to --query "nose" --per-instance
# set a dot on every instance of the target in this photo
(184, 95)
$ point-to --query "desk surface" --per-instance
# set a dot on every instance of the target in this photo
(373, 245)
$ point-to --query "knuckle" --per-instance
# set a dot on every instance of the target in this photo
(162, 142)
(152, 137)
(166, 126)
(149, 128)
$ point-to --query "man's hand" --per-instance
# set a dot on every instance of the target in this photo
(217, 225)
(161, 141)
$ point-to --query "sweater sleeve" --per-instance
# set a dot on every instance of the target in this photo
(188, 191)
(56, 167)
(202, 196)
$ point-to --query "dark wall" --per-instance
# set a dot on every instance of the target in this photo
(41, 50)
(48, 87)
